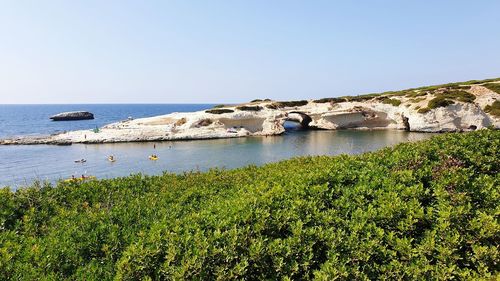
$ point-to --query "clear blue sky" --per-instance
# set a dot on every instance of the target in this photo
(233, 51)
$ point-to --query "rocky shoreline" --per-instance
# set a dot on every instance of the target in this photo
(439, 109)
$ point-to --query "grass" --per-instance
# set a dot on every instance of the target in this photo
(418, 211)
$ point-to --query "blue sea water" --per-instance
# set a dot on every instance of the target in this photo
(21, 165)
(17, 120)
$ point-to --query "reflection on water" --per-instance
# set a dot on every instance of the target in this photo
(20, 165)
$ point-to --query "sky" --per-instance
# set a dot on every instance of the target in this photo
(215, 51)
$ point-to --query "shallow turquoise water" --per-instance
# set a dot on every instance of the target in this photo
(21, 165)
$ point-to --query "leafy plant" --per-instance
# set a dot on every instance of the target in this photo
(417, 211)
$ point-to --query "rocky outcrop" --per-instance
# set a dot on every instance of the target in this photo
(420, 110)
(74, 115)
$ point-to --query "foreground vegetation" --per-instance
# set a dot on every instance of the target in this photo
(419, 211)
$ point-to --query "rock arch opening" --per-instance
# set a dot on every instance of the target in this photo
(297, 121)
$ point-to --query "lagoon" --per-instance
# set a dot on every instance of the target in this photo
(21, 165)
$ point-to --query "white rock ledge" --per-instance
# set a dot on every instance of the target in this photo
(269, 120)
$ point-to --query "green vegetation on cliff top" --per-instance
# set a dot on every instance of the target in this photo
(419, 211)
(452, 90)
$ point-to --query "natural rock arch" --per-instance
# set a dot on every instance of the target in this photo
(300, 117)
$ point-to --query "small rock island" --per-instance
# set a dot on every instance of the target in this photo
(72, 116)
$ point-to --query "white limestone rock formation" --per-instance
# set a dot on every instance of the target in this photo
(457, 108)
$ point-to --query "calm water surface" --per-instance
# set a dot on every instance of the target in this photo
(21, 165)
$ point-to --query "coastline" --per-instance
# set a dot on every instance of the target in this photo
(447, 108)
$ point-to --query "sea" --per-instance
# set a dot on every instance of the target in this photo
(22, 165)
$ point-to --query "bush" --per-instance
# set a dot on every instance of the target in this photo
(495, 87)
(282, 104)
(219, 106)
(423, 110)
(416, 100)
(256, 100)
(439, 102)
(330, 100)
(493, 109)
(415, 94)
(361, 98)
(219, 111)
(457, 95)
(393, 102)
(418, 211)
(249, 108)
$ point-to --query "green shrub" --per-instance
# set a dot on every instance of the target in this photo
(457, 95)
(416, 100)
(418, 211)
(415, 94)
(493, 109)
(219, 106)
(256, 100)
(330, 100)
(219, 111)
(393, 102)
(423, 110)
(282, 104)
(249, 108)
(361, 98)
(439, 102)
(495, 87)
